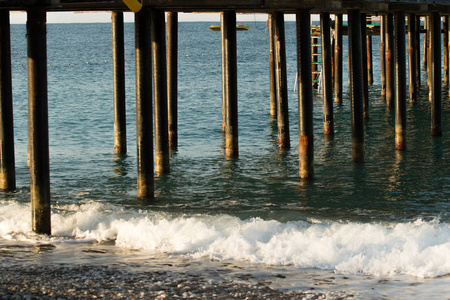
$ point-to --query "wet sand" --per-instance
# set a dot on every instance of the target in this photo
(90, 271)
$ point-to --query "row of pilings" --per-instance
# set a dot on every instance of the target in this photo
(156, 89)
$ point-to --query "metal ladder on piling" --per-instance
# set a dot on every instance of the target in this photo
(316, 63)
(316, 55)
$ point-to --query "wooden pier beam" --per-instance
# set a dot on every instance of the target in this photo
(118, 53)
(389, 60)
(435, 74)
(328, 120)
(144, 109)
(412, 58)
(281, 81)
(365, 66)
(172, 77)
(369, 56)
(356, 75)
(305, 95)
(383, 54)
(7, 160)
(338, 59)
(273, 92)
(159, 63)
(231, 94)
(38, 121)
(400, 81)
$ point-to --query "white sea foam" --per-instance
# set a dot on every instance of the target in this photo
(421, 248)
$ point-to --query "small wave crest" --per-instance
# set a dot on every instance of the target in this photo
(419, 248)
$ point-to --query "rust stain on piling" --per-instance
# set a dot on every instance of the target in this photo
(305, 151)
(231, 147)
(283, 141)
(145, 188)
(400, 139)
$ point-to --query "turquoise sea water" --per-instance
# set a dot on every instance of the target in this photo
(387, 218)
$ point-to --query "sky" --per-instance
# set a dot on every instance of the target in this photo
(105, 17)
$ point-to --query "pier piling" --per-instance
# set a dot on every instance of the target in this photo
(159, 64)
(400, 81)
(429, 54)
(224, 87)
(118, 53)
(412, 58)
(281, 81)
(369, 56)
(338, 59)
(356, 75)
(328, 122)
(445, 43)
(305, 96)
(389, 60)
(417, 52)
(38, 121)
(172, 77)
(426, 37)
(273, 93)
(383, 55)
(7, 160)
(231, 94)
(435, 74)
(144, 110)
(365, 73)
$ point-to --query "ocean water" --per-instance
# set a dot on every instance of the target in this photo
(377, 230)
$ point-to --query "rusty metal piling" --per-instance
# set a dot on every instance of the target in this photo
(231, 95)
(144, 109)
(365, 73)
(281, 81)
(159, 64)
(383, 55)
(172, 77)
(400, 81)
(412, 58)
(369, 56)
(328, 122)
(38, 121)
(417, 52)
(7, 160)
(224, 89)
(389, 60)
(356, 75)
(305, 96)
(118, 53)
(435, 74)
(338, 59)
(273, 92)
(445, 43)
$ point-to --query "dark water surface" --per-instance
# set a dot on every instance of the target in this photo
(388, 217)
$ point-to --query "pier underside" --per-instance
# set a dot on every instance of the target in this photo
(242, 6)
